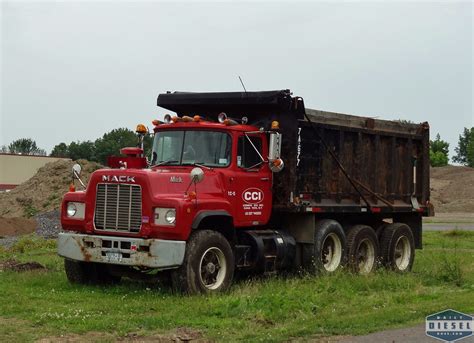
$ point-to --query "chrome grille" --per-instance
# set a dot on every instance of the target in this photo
(118, 207)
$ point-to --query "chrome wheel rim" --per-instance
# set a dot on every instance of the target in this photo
(365, 257)
(212, 268)
(402, 253)
(331, 253)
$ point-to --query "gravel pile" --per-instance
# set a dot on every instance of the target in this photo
(8, 242)
(49, 224)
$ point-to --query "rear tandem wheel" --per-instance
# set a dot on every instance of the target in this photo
(362, 249)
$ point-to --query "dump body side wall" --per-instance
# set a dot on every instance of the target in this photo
(381, 155)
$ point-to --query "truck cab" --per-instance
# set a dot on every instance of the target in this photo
(216, 196)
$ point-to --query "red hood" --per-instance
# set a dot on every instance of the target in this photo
(162, 182)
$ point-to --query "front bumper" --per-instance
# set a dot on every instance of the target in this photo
(153, 253)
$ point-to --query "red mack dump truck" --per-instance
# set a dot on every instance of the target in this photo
(250, 181)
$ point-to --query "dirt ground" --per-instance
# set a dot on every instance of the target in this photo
(181, 334)
(17, 266)
(16, 226)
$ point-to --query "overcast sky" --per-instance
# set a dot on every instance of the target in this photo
(75, 70)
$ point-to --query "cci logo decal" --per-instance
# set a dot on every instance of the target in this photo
(449, 325)
(252, 196)
(118, 178)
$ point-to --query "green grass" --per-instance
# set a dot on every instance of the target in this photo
(453, 220)
(43, 304)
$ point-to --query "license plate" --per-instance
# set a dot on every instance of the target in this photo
(113, 256)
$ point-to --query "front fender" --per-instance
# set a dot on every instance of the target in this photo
(209, 213)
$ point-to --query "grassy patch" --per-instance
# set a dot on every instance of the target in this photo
(30, 211)
(266, 309)
(435, 220)
(457, 233)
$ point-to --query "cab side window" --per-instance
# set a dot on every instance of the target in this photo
(247, 157)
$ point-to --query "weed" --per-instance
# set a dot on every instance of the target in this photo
(29, 209)
(450, 269)
(53, 197)
(31, 242)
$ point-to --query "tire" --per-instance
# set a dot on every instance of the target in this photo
(398, 247)
(208, 265)
(327, 252)
(362, 249)
(80, 272)
(379, 231)
(88, 273)
(104, 277)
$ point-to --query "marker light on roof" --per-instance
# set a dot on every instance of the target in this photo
(222, 117)
(167, 119)
(156, 122)
(187, 119)
(229, 122)
(141, 128)
(197, 118)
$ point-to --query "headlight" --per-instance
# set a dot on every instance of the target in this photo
(165, 216)
(71, 209)
(75, 210)
(170, 216)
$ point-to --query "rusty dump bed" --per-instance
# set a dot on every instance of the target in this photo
(378, 156)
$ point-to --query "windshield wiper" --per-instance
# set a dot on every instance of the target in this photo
(163, 163)
(197, 164)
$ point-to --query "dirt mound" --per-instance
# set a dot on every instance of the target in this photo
(452, 189)
(43, 192)
(16, 226)
(17, 266)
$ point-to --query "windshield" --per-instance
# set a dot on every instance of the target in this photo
(208, 148)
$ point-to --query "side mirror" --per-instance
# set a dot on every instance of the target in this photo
(76, 171)
(197, 175)
(274, 148)
(275, 162)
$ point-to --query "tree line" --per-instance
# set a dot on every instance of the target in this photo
(107, 145)
(111, 143)
(439, 150)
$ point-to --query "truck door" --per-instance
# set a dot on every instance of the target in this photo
(252, 182)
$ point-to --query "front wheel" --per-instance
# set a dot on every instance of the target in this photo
(208, 265)
(88, 273)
